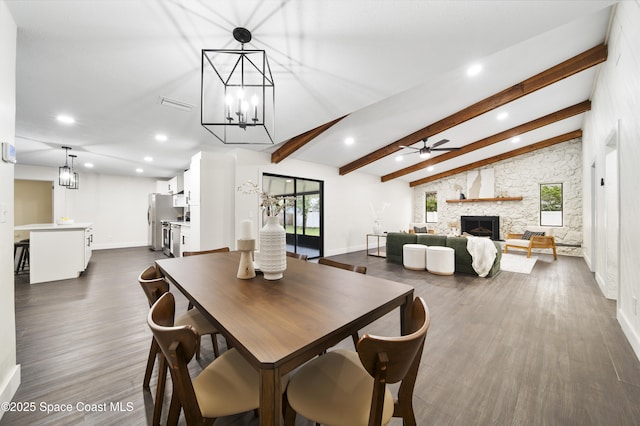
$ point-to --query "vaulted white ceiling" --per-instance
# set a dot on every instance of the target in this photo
(395, 66)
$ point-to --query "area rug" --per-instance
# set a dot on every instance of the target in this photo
(517, 263)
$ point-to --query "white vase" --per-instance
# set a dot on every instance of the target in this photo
(377, 228)
(273, 249)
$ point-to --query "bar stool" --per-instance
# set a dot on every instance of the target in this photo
(23, 259)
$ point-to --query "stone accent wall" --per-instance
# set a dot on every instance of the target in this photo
(518, 176)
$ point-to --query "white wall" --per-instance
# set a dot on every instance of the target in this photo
(347, 199)
(116, 205)
(9, 370)
(616, 105)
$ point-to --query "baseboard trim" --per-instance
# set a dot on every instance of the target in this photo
(631, 335)
(109, 246)
(10, 386)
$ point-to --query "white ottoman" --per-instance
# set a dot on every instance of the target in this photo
(440, 260)
(414, 256)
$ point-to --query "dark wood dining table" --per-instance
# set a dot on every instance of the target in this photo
(279, 325)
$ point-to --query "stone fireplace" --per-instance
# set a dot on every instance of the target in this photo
(481, 226)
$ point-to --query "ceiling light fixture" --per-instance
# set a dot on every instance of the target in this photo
(424, 153)
(502, 115)
(474, 70)
(399, 157)
(65, 119)
(349, 141)
(139, 170)
(237, 94)
(161, 137)
(148, 159)
(430, 168)
(183, 106)
(515, 140)
(64, 172)
(74, 178)
(88, 165)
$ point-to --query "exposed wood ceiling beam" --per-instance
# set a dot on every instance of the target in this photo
(581, 62)
(490, 140)
(529, 148)
(297, 142)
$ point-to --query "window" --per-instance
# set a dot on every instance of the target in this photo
(551, 204)
(431, 207)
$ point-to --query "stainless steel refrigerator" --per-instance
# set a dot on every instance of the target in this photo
(160, 209)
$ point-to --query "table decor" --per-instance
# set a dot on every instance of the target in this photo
(273, 246)
(246, 246)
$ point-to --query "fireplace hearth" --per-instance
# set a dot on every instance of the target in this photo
(481, 226)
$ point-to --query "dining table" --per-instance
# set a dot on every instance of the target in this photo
(278, 325)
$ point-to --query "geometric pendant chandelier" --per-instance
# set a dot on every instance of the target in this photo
(237, 94)
(64, 172)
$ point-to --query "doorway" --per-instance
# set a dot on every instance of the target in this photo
(612, 216)
(303, 221)
(33, 203)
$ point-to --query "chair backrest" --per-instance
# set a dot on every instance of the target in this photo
(348, 267)
(195, 253)
(395, 359)
(153, 284)
(297, 255)
(547, 231)
(178, 345)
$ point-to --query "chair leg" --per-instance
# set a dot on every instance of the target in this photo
(162, 380)
(214, 342)
(288, 412)
(174, 409)
(198, 344)
(153, 351)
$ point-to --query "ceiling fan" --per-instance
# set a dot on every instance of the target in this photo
(425, 151)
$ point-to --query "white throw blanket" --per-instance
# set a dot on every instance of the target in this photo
(483, 252)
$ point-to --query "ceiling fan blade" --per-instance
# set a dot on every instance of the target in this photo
(409, 147)
(440, 142)
(444, 149)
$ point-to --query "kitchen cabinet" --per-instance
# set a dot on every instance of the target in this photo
(185, 236)
(162, 186)
(58, 252)
(176, 184)
(179, 200)
(212, 201)
(186, 179)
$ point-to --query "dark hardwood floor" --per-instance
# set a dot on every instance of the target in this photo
(515, 349)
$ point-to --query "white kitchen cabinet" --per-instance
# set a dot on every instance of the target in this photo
(162, 186)
(212, 201)
(58, 252)
(176, 184)
(179, 200)
(186, 179)
(185, 237)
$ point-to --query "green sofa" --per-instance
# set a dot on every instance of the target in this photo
(463, 260)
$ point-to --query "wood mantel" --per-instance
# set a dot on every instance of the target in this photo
(476, 200)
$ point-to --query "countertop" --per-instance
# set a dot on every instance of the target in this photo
(52, 226)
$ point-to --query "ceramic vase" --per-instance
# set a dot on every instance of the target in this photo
(377, 228)
(273, 249)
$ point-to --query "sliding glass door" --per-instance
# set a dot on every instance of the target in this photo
(302, 221)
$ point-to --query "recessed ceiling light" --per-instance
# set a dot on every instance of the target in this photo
(430, 168)
(515, 140)
(66, 119)
(474, 70)
(148, 159)
(139, 170)
(349, 141)
(502, 115)
(88, 165)
(162, 138)
(399, 157)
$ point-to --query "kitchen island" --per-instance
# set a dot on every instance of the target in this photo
(58, 252)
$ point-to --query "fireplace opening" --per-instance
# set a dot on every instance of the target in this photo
(481, 226)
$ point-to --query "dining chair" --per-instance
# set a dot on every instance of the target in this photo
(195, 253)
(297, 255)
(228, 385)
(347, 388)
(346, 266)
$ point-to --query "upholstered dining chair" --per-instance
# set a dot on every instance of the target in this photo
(348, 267)
(194, 253)
(347, 388)
(228, 385)
(297, 255)
(154, 286)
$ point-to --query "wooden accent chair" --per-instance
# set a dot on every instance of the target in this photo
(346, 266)
(154, 286)
(297, 255)
(195, 253)
(527, 242)
(349, 388)
(229, 385)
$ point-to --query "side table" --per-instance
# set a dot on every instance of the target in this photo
(376, 247)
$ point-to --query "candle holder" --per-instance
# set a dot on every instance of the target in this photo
(246, 248)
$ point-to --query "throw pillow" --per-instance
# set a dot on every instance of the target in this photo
(422, 230)
(528, 234)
